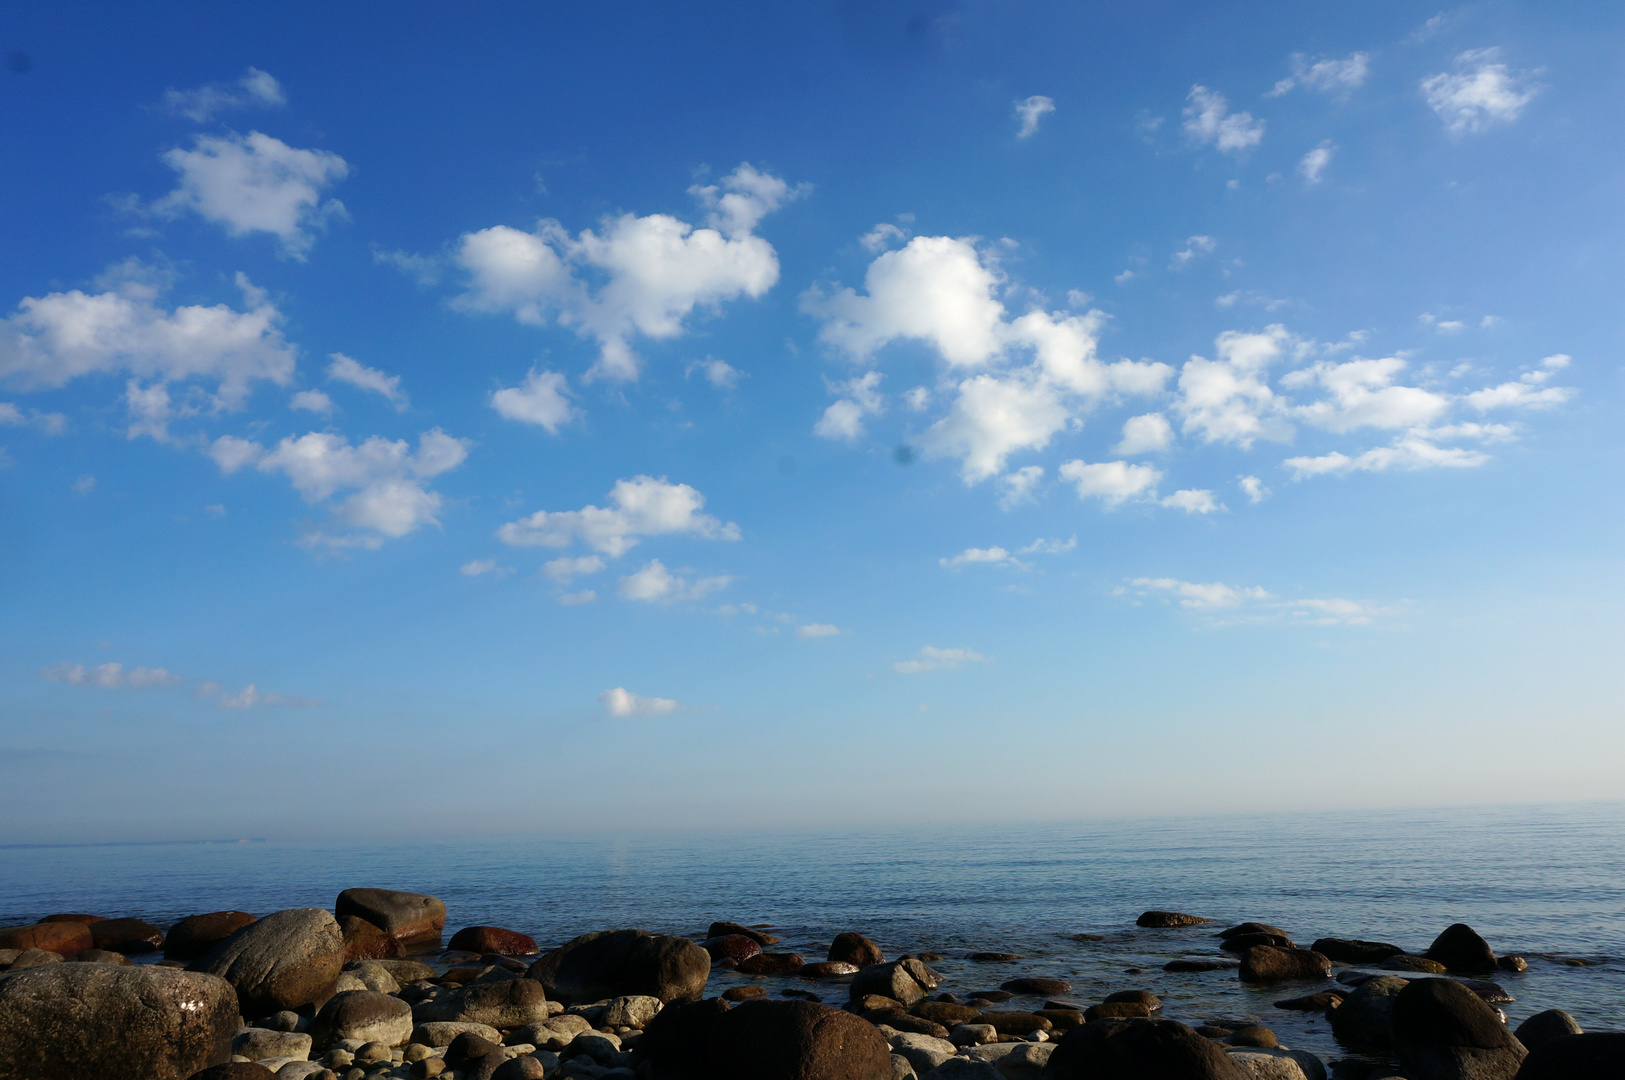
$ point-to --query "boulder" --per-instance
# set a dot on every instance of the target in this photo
(1278, 1064)
(1017, 1023)
(1362, 1021)
(283, 961)
(129, 936)
(373, 976)
(722, 929)
(1116, 1010)
(1169, 920)
(1267, 964)
(772, 963)
(1142, 997)
(1592, 1056)
(1246, 928)
(1460, 949)
(1419, 965)
(946, 1013)
(99, 956)
(364, 1015)
(731, 947)
(257, 1044)
(923, 1052)
(1444, 1031)
(632, 1010)
(610, 963)
(364, 941)
(854, 948)
(1025, 1061)
(904, 980)
(74, 917)
(404, 971)
(523, 1067)
(798, 1040)
(1040, 986)
(1242, 942)
(959, 1068)
(828, 969)
(744, 993)
(197, 934)
(71, 1021)
(493, 939)
(234, 1070)
(62, 938)
(1354, 951)
(508, 1003)
(411, 918)
(33, 958)
(1325, 999)
(444, 1033)
(1546, 1026)
(1515, 964)
(1253, 1035)
(1201, 964)
(1139, 1050)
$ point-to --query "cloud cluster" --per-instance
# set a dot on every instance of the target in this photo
(114, 676)
(998, 556)
(386, 478)
(634, 275)
(51, 423)
(541, 400)
(1328, 75)
(1209, 121)
(1255, 602)
(655, 584)
(256, 89)
(1480, 93)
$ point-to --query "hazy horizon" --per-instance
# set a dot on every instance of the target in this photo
(541, 420)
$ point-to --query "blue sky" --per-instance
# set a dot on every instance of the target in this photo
(712, 416)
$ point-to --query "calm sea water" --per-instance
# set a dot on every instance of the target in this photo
(1545, 882)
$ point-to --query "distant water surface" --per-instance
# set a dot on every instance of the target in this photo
(1545, 882)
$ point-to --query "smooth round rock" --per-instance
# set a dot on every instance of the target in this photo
(283, 961)
(1441, 1028)
(1355, 951)
(1363, 1020)
(731, 947)
(1036, 985)
(1267, 964)
(493, 939)
(1460, 949)
(509, 1003)
(411, 918)
(1546, 1026)
(853, 948)
(129, 936)
(364, 1015)
(1137, 1050)
(1592, 1056)
(610, 963)
(62, 938)
(197, 934)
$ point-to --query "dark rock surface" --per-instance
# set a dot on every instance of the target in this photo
(365, 1015)
(1362, 1021)
(722, 929)
(493, 939)
(772, 963)
(1460, 949)
(128, 936)
(1242, 929)
(854, 948)
(763, 1040)
(1592, 1056)
(197, 934)
(610, 963)
(62, 938)
(364, 941)
(1266, 964)
(1546, 1026)
(1444, 1031)
(234, 1070)
(411, 918)
(1354, 951)
(1169, 920)
(735, 947)
(507, 1004)
(1034, 985)
(1139, 1050)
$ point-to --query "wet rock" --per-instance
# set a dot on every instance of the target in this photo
(744, 993)
(1460, 949)
(234, 1070)
(444, 1033)
(509, 1003)
(1246, 928)
(1202, 964)
(1213, 1031)
(770, 963)
(72, 1021)
(62, 938)
(1354, 951)
(632, 1010)
(365, 1015)
(257, 1044)
(197, 934)
(1039, 986)
(1326, 999)
(129, 936)
(1017, 1023)
(734, 947)
(364, 941)
(992, 957)
(1420, 965)
(854, 948)
(1515, 964)
(493, 939)
(610, 963)
(33, 958)
(1169, 920)
(1139, 1050)
(764, 1040)
(1546, 1026)
(898, 980)
(1062, 1019)
(1592, 1056)
(946, 1013)
(992, 995)
(1493, 993)
(285, 960)
(1443, 1031)
(75, 917)
(1277, 1064)
(410, 918)
(1363, 1020)
(1267, 964)
(1242, 942)
(1117, 1010)
(721, 929)
(1254, 1035)
(828, 969)
(101, 956)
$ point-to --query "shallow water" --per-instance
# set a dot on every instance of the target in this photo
(1544, 882)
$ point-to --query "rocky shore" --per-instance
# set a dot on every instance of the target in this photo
(366, 991)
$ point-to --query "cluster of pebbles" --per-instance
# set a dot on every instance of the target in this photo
(366, 992)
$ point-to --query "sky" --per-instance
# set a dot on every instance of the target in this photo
(544, 418)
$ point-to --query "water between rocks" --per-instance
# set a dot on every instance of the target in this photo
(1545, 882)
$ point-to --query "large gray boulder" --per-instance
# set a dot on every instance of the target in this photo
(257, 1044)
(507, 1004)
(72, 1021)
(1278, 1063)
(283, 961)
(364, 1015)
(1444, 1031)
(410, 918)
(611, 963)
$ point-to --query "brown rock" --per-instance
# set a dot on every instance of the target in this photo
(1062, 1019)
(1116, 1010)
(797, 1040)
(1252, 928)
(1266, 964)
(493, 939)
(1169, 920)
(1040, 986)
(234, 1070)
(62, 938)
(744, 993)
(32, 958)
(1441, 1028)
(364, 941)
(128, 936)
(611, 963)
(283, 961)
(1407, 962)
(102, 956)
(1242, 942)
(735, 947)
(854, 948)
(771, 964)
(1254, 1035)
(1326, 999)
(73, 917)
(410, 918)
(1460, 949)
(946, 1014)
(197, 934)
(1016, 1023)
(1354, 951)
(1139, 1050)
(828, 969)
(723, 929)
(902, 1021)
(1142, 997)
(1201, 965)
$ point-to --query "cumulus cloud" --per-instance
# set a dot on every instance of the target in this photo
(1480, 93)
(976, 555)
(1219, 599)
(1195, 247)
(634, 275)
(250, 697)
(54, 339)
(1019, 485)
(312, 401)
(639, 508)
(256, 183)
(256, 89)
(539, 400)
(1029, 111)
(719, 373)
(478, 567)
(386, 479)
(1328, 75)
(51, 423)
(655, 584)
(1313, 165)
(1228, 399)
(619, 702)
(1528, 392)
(931, 658)
(818, 630)
(860, 398)
(881, 237)
(998, 556)
(1208, 120)
(345, 370)
(567, 568)
(1253, 488)
(1145, 434)
(1192, 501)
(1361, 393)
(1410, 451)
(1113, 482)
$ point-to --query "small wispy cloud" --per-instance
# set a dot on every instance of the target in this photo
(931, 658)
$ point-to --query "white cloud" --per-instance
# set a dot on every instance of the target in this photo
(1255, 603)
(49, 423)
(619, 702)
(256, 184)
(1528, 392)
(1229, 399)
(1145, 434)
(1480, 94)
(424, 269)
(312, 401)
(818, 630)
(1029, 111)
(1195, 247)
(640, 507)
(1194, 595)
(566, 568)
(918, 398)
(861, 398)
(1253, 488)
(1361, 394)
(651, 272)
(931, 658)
(1313, 165)
(1192, 501)
(539, 400)
(250, 697)
(256, 89)
(575, 599)
(110, 676)
(1208, 119)
(1114, 482)
(59, 337)
(976, 555)
(1410, 451)
(1050, 547)
(994, 416)
(719, 373)
(477, 567)
(881, 237)
(1326, 75)
(385, 478)
(345, 370)
(654, 583)
(1019, 486)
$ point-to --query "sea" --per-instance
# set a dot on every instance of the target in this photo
(1543, 882)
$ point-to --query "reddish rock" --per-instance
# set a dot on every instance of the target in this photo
(128, 936)
(197, 934)
(494, 939)
(62, 938)
(74, 917)
(1016, 1023)
(772, 964)
(1135, 1050)
(364, 941)
(723, 929)
(731, 947)
(411, 918)
(854, 948)
(744, 993)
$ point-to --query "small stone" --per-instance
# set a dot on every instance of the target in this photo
(854, 948)
(973, 1034)
(1039, 986)
(1254, 1035)
(1514, 964)
(1169, 920)
(1419, 964)
(1117, 1010)
(743, 993)
(827, 969)
(992, 957)
(1213, 1031)
(772, 964)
